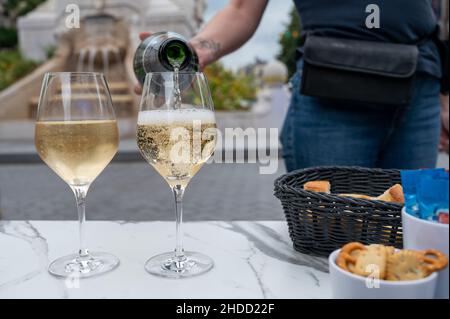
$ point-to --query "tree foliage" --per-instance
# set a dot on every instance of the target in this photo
(13, 67)
(8, 37)
(290, 41)
(12, 9)
(229, 91)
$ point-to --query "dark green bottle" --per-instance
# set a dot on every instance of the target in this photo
(164, 52)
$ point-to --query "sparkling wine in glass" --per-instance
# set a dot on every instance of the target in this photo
(176, 134)
(76, 135)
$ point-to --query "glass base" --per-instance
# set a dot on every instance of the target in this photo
(82, 267)
(169, 266)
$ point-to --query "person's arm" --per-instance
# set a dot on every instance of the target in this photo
(228, 30)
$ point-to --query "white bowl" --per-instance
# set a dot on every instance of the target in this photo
(345, 285)
(419, 234)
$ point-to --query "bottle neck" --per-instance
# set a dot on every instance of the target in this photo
(175, 54)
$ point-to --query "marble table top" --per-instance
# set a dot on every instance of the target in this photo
(252, 260)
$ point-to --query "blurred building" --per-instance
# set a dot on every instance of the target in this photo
(42, 27)
(105, 42)
(266, 73)
(254, 70)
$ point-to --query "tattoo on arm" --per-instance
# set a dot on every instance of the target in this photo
(209, 45)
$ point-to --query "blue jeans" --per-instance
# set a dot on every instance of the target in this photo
(322, 132)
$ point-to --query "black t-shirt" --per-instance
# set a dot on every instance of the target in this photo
(401, 21)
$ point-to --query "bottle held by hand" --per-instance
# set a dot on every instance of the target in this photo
(164, 52)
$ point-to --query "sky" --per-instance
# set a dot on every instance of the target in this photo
(264, 43)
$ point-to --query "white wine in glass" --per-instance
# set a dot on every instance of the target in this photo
(77, 151)
(174, 157)
(76, 135)
(176, 134)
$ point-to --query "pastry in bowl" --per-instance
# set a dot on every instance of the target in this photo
(386, 263)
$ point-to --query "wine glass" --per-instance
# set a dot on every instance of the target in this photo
(76, 135)
(176, 134)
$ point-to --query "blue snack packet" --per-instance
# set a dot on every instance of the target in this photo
(410, 179)
(426, 191)
(433, 196)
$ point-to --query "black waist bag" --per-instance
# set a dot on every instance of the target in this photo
(359, 71)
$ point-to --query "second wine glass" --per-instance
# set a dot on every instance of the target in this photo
(176, 134)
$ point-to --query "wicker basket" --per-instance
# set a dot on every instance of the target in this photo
(320, 223)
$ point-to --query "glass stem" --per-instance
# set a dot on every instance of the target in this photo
(80, 196)
(178, 192)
